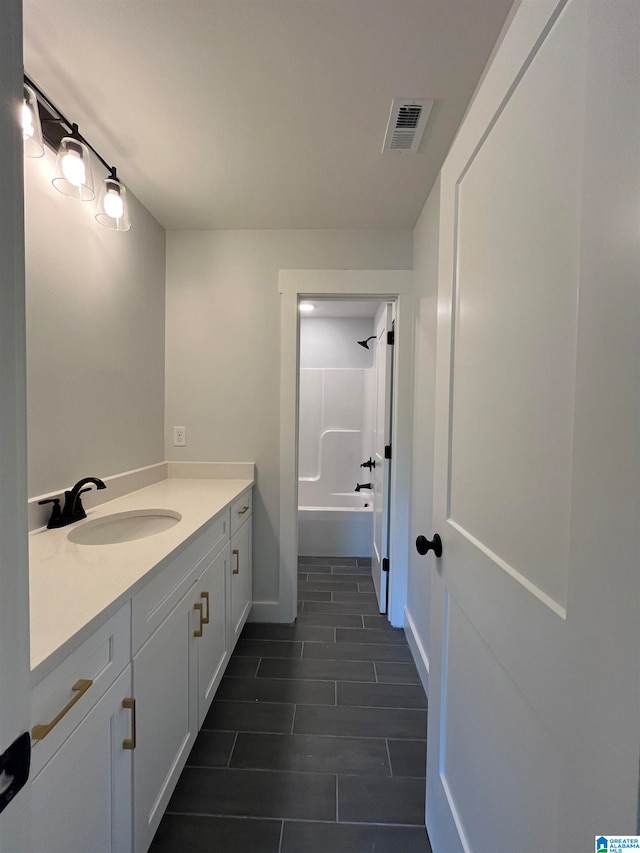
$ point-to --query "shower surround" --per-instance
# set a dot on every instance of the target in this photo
(334, 408)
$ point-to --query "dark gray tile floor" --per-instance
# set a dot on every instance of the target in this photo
(316, 739)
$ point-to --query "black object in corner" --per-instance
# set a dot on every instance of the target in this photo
(14, 769)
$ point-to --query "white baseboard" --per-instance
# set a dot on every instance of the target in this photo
(417, 650)
(268, 611)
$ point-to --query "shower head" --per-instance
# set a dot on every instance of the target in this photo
(365, 344)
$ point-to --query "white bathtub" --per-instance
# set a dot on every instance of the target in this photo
(344, 529)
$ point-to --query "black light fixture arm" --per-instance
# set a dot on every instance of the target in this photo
(72, 127)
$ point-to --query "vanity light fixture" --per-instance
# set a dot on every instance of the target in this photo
(306, 307)
(113, 211)
(43, 121)
(31, 127)
(73, 176)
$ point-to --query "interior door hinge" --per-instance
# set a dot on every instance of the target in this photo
(391, 337)
(385, 564)
(387, 451)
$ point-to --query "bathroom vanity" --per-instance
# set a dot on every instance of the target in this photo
(129, 643)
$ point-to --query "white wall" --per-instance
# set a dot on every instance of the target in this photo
(95, 337)
(425, 261)
(332, 341)
(223, 349)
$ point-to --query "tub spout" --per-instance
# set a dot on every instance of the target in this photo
(360, 486)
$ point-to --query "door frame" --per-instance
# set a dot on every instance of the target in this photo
(294, 285)
(385, 314)
(14, 557)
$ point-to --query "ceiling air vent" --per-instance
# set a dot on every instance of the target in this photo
(407, 121)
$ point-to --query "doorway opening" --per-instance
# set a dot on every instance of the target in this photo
(383, 286)
(345, 402)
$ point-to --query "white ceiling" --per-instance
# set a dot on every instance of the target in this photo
(262, 113)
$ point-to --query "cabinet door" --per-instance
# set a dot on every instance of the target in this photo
(81, 798)
(165, 688)
(212, 645)
(240, 586)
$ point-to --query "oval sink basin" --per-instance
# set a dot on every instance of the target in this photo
(124, 527)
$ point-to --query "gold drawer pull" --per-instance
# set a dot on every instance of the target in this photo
(243, 510)
(198, 606)
(205, 619)
(130, 705)
(236, 553)
(81, 686)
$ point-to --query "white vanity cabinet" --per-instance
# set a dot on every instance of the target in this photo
(115, 721)
(81, 792)
(240, 580)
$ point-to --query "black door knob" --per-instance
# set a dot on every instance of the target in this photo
(424, 545)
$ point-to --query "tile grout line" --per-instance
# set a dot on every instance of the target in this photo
(386, 740)
(235, 741)
(225, 815)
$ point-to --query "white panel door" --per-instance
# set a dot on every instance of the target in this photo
(534, 711)
(380, 474)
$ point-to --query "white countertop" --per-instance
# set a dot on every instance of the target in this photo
(74, 588)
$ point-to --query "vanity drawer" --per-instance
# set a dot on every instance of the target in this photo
(241, 509)
(158, 597)
(63, 698)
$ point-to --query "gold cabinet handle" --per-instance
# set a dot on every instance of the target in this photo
(243, 510)
(236, 553)
(81, 686)
(130, 705)
(205, 619)
(198, 606)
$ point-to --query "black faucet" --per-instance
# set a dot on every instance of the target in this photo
(370, 464)
(360, 486)
(73, 509)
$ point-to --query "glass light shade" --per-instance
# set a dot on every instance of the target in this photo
(73, 170)
(31, 127)
(113, 211)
